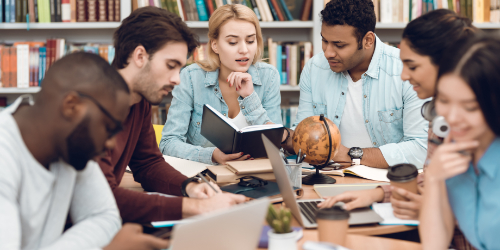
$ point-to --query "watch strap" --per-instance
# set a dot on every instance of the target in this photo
(186, 182)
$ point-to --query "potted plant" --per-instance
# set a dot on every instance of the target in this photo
(281, 237)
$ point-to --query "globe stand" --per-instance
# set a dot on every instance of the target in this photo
(318, 178)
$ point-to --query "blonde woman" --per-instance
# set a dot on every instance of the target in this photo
(231, 80)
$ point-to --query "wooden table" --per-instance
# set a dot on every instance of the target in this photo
(309, 193)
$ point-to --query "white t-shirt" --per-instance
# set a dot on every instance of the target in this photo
(240, 121)
(35, 202)
(352, 125)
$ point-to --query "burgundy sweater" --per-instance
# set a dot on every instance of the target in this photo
(136, 147)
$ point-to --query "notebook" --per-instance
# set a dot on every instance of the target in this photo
(186, 167)
(221, 174)
(386, 211)
(226, 136)
(250, 167)
(376, 174)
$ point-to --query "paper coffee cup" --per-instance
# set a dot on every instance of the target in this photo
(332, 224)
(403, 176)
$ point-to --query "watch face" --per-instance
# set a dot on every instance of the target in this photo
(356, 153)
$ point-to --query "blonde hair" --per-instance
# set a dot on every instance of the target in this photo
(220, 17)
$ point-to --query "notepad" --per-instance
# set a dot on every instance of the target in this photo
(387, 213)
(250, 167)
(376, 174)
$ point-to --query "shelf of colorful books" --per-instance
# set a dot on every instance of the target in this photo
(398, 26)
(29, 90)
(57, 26)
(274, 24)
(289, 88)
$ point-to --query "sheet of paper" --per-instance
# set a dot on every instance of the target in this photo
(260, 127)
(376, 174)
(186, 167)
(386, 212)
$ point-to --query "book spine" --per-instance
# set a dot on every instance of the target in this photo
(36, 13)
(91, 10)
(279, 61)
(31, 11)
(210, 7)
(111, 10)
(101, 11)
(406, 11)
(6, 8)
(267, 10)
(288, 63)
(12, 11)
(182, 9)
(202, 11)
(43, 64)
(19, 11)
(72, 7)
(58, 11)
(194, 10)
(65, 11)
(52, 11)
(283, 65)
(486, 10)
(13, 67)
(23, 66)
(293, 65)
(274, 14)
(306, 10)
(80, 11)
(5, 66)
(287, 11)
(257, 8)
(117, 11)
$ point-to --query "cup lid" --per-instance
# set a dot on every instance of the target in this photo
(333, 213)
(402, 172)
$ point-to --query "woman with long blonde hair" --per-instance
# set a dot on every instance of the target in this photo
(231, 80)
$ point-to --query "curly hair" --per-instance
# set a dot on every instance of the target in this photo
(359, 14)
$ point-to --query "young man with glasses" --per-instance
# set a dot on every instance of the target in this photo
(151, 47)
(46, 147)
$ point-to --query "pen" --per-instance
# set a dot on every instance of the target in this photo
(207, 182)
(299, 155)
(302, 158)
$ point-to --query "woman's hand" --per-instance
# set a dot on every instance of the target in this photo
(449, 160)
(355, 199)
(408, 209)
(221, 158)
(242, 82)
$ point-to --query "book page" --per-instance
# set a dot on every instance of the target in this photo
(376, 174)
(186, 167)
(260, 127)
(386, 211)
(227, 120)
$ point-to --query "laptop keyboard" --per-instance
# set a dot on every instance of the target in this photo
(309, 209)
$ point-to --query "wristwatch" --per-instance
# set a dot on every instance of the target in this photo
(186, 182)
(356, 154)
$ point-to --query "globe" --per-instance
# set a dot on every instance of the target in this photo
(311, 137)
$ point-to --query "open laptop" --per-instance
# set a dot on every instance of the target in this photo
(238, 227)
(304, 211)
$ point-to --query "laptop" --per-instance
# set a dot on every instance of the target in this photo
(304, 211)
(238, 227)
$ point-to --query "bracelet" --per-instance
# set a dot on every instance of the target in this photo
(186, 182)
(287, 136)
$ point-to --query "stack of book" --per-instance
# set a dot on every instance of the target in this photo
(402, 11)
(266, 10)
(24, 64)
(49, 11)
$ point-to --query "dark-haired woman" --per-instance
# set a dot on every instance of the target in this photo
(424, 41)
(462, 181)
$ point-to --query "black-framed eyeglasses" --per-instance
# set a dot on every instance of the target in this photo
(118, 124)
(251, 181)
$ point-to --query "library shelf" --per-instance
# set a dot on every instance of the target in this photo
(60, 26)
(29, 90)
(274, 24)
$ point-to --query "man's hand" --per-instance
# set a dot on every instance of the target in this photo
(192, 206)
(355, 199)
(342, 154)
(406, 210)
(130, 237)
(201, 190)
(221, 158)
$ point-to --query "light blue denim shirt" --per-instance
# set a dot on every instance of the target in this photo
(181, 135)
(391, 108)
(475, 200)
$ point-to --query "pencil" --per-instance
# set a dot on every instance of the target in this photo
(207, 182)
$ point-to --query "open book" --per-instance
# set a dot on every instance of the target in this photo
(376, 174)
(226, 136)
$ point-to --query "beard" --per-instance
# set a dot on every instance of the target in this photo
(80, 146)
(147, 88)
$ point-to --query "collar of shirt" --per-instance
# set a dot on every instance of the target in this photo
(489, 163)
(374, 67)
(212, 76)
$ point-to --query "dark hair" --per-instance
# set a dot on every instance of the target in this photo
(475, 60)
(152, 28)
(431, 34)
(85, 69)
(359, 14)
